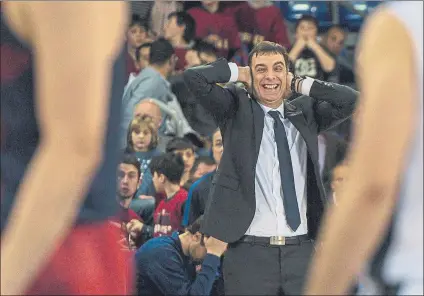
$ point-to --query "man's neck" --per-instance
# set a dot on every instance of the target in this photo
(124, 202)
(171, 190)
(213, 8)
(162, 71)
(131, 51)
(178, 41)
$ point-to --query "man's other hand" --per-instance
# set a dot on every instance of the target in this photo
(215, 246)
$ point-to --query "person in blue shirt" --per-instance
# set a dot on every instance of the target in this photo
(166, 265)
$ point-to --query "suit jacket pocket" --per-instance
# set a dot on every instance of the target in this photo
(226, 181)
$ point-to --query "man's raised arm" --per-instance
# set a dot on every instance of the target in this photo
(202, 82)
(334, 102)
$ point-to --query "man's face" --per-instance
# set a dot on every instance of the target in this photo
(203, 169)
(172, 29)
(188, 158)
(269, 78)
(136, 36)
(128, 180)
(158, 182)
(335, 40)
(150, 109)
(196, 249)
(144, 57)
(306, 30)
(217, 147)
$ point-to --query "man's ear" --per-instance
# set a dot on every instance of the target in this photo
(197, 237)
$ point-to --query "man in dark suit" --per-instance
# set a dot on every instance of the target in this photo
(267, 197)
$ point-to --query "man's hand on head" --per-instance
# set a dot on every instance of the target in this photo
(215, 246)
(244, 75)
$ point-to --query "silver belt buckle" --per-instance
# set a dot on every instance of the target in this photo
(277, 240)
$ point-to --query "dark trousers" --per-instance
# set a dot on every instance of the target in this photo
(263, 269)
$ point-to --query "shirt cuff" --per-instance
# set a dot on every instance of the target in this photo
(234, 72)
(306, 86)
(212, 260)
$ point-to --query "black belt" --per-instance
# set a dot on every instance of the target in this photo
(275, 240)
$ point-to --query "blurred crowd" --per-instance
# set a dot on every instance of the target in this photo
(171, 146)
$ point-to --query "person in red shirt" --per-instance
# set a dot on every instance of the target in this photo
(167, 170)
(216, 27)
(269, 24)
(180, 30)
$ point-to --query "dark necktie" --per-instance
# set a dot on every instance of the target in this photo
(286, 172)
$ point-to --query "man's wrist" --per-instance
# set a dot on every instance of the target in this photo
(217, 254)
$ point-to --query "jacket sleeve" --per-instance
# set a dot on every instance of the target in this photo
(334, 103)
(202, 82)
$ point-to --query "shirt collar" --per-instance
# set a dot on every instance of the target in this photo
(279, 109)
(149, 71)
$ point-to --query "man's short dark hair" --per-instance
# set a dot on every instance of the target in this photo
(205, 47)
(306, 18)
(196, 225)
(130, 158)
(170, 165)
(161, 52)
(268, 47)
(179, 144)
(338, 27)
(185, 19)
(138, 50)
(137, 21)
(202, 159)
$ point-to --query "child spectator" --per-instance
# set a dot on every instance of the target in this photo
(167, 170)
(142, 139)
(185, 149)
(137, 34)
(309, 57)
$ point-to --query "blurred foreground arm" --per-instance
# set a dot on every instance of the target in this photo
(354, 229)
(74, 48)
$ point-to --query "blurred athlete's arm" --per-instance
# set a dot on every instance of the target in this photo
(353, 230)
(74, 45)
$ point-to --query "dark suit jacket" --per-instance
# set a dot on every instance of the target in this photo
(231, 205)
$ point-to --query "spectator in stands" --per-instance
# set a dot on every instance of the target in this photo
(310, 58)
(199, 191)
(136, 36)
(201, 120)
(167, 170)
(269, 24)
(128, 180)
(143, 55)
(180, 30)
(202, 165)
(216, 27)
(167, 265)
(142, 141)
(334, 41)
(185, 149)
(150, 83)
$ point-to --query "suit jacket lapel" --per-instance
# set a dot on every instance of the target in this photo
(258, 127)
(295, 115)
